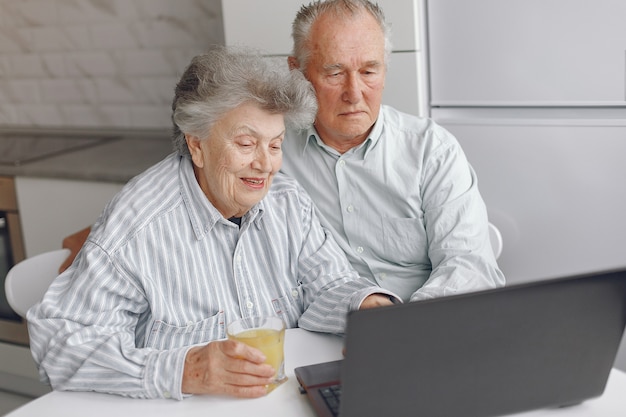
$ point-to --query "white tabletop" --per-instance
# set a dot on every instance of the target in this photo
(301, 348)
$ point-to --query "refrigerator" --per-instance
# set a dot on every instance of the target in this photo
(535, 92)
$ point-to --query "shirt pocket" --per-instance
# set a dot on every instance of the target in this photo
(404, 240)
(289, 307)
(164, 336)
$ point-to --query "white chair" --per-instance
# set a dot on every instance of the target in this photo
(496, 240)
(28, 280)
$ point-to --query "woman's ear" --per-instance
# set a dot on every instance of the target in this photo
(195, 149)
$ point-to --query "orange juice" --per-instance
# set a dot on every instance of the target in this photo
(269, 341)
(266, 334)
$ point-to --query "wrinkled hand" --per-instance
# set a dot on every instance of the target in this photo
(375, 300)
(226, 367)
(74, 242)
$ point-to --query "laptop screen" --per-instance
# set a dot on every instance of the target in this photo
(542, 344)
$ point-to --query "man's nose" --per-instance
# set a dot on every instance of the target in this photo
(353, 88)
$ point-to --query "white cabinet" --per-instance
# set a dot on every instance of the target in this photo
(51, 209)
(527, 52)
(252, 23)
(553, 188)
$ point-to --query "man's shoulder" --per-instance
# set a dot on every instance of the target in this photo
(396, 119)
(415, 130)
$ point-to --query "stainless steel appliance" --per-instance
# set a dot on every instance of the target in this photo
(12, 326)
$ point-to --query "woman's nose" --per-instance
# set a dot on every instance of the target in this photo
(262, 160)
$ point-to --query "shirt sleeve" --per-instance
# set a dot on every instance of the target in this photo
(330, 285)
(83, 334)
(456, 225)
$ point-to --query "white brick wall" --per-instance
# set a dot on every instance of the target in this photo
(98, 63)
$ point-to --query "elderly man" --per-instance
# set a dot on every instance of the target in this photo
(395, 190)
(210, 234)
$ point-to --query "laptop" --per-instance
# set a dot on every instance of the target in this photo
(535, 345)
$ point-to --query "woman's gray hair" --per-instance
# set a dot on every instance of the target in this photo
(308, 15)
(223, 78)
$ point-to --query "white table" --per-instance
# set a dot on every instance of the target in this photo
(301, 348)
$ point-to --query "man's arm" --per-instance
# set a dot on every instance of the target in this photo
(457, 227)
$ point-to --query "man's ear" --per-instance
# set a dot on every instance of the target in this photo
(293, 63)
(193, 143)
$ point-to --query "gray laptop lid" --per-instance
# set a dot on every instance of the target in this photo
(541, 344)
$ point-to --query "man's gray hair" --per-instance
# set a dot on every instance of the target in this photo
(308, 15)
(223, 78)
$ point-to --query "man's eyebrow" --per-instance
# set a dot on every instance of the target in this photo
(367, 64)
(332, 67)
(373, 63)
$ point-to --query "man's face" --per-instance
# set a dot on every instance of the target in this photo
(347, 70)
(235, 165)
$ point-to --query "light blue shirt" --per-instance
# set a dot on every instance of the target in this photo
(162, 270)
(404, 206)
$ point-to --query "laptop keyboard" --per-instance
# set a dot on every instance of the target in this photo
(332, 395)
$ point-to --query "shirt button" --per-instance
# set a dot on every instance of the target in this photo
(167, 394)
(294, 293)
(350, 208)
(383, 276)
(238, 258)
(342, 163)
(359, 249)
(249, 304)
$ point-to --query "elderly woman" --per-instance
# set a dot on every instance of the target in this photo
(210, 234)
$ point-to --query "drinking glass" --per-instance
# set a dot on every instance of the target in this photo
(266, 333)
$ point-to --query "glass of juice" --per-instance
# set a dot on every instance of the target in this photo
(266, 334)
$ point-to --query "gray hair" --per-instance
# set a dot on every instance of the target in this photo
(308, 15)
(224, 78)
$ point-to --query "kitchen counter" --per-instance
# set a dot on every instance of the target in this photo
(93, 155)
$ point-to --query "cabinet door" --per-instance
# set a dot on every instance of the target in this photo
(554, 188)
(268, 28)
(527, 52)
(51, 209)
(403, 85)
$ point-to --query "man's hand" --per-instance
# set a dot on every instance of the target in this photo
(74, 242)
(226, 367)
(376, 300)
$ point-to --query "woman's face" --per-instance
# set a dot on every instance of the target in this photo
(236, 163)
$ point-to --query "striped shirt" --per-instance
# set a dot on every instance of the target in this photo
(162, 270)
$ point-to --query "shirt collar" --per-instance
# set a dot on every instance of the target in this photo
(364, 148)
(202, 214)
